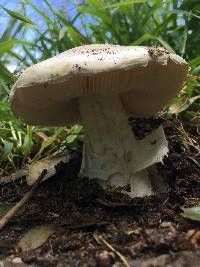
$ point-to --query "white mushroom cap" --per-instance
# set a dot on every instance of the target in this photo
(144, 77)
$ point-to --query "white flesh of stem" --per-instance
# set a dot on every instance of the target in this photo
(111, 152)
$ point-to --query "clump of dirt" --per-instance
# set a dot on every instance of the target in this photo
(155, 51)
(145, 231)
(144, 126)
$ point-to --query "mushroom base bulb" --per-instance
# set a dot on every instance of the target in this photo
(111, 152)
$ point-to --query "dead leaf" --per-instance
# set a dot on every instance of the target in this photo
(13, 176)
(182, 104)
(48, 163)
(36, 237)
(191, 213)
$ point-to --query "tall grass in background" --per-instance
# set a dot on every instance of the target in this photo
(174, 24)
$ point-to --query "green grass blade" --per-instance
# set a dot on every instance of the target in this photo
(30, 55)
(125, 3)
(42, 14)
(8, 45)
(147, 37)
(179, 11)
(18, 16)
(7, 148)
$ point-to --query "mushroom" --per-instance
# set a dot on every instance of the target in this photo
(101, 85)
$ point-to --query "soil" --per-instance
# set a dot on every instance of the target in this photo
(97, 229)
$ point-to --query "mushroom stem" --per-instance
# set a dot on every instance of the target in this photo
(111, 152)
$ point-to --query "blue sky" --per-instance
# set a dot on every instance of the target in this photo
(66, 5)
(14, 4)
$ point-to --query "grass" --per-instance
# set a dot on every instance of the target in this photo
(174, 25)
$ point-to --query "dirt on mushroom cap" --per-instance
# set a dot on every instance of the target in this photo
(146, 78)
